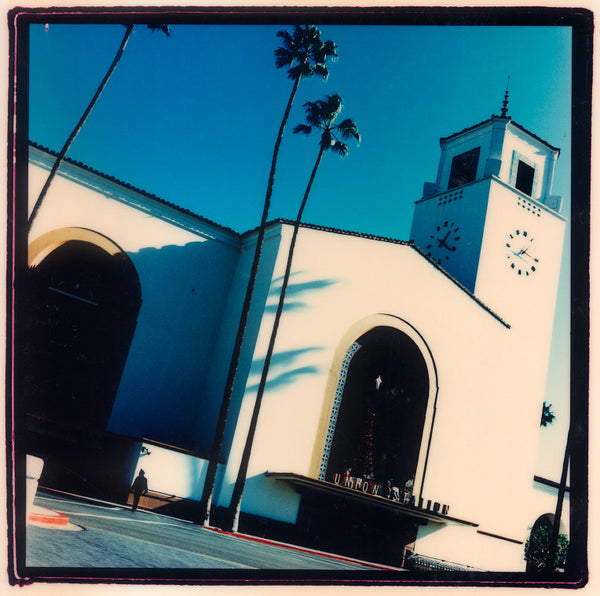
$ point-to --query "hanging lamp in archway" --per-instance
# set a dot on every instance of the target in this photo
(379, 426)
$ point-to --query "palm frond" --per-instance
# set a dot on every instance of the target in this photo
(307, 69)
(166, 29)
(330, 49)
(303, 128)
(283, 57)
(348, 129)
(300, 32)
(322, 113)
(322, 51)
(311, 34)
(296, 71)
(334, 102)
(315, 113)
(288, 40)
(332, 107)
(321, 70)
(304, 52)
(339, 148)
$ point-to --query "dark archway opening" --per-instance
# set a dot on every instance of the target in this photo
(380, 423)
(81, 305)
(378, 435)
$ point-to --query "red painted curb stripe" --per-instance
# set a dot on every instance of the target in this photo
(302, 550)
(51, 517)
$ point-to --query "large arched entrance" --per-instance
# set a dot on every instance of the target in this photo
(376, 423)
(381, 416)
(82, 300)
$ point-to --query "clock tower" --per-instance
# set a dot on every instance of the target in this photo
(490, 219)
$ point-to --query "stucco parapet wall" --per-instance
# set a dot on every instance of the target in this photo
(408, 244)
(493, 178)
(509, 122)
(133, 197)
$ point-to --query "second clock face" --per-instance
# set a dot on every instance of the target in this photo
(520, 253)
(443, 242)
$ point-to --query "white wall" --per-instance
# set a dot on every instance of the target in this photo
(466, 545)
(185, 267)
(487, 417)
(224, 345)
(489, 553)
(172, 472)
(338, 280)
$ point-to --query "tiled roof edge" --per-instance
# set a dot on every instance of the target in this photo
(463, 288)
(535, 136)
(332, 230)
(135, 189)
(511, 121)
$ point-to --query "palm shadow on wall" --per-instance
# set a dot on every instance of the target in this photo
(286, 360)
(294, 292)
(168, 382)
(295, 299)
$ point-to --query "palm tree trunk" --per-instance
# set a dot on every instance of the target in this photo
(211, 472)
(236, 498)
(550, 564)
(77, 128)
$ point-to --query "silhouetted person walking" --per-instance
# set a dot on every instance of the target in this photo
(139, 487)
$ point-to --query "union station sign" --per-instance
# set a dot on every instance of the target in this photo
(369, 487)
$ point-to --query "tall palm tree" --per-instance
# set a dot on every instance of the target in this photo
(61, 156)
(320, 115)
(305, 55)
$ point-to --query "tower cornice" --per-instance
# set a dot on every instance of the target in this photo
(491, 120)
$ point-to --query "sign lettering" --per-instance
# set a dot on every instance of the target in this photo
(393, 493)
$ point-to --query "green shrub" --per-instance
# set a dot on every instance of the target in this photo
(537, 548)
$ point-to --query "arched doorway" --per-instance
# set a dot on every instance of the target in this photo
(376, 421)
(380, 422)
(538, 545)
(82, 298)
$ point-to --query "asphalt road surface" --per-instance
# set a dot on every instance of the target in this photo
(109, 536)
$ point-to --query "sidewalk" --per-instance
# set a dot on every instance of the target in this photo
(101, 535)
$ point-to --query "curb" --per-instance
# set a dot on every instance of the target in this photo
(41, 515)
(247, 537)
(303, 549)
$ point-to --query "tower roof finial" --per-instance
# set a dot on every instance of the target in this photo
(505, 102)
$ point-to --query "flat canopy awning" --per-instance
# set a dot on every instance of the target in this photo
(304, 484)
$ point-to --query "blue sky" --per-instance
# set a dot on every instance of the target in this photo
(192, 118)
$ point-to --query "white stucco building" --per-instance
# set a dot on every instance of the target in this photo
(421, 361)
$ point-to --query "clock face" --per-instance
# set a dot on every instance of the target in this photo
(443, 242)
(520, 253)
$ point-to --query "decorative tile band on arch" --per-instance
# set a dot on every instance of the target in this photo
(336, 407)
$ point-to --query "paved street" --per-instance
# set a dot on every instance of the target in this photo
(107, 536)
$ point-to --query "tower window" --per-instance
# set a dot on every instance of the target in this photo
(524, 181)
(464, 168)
